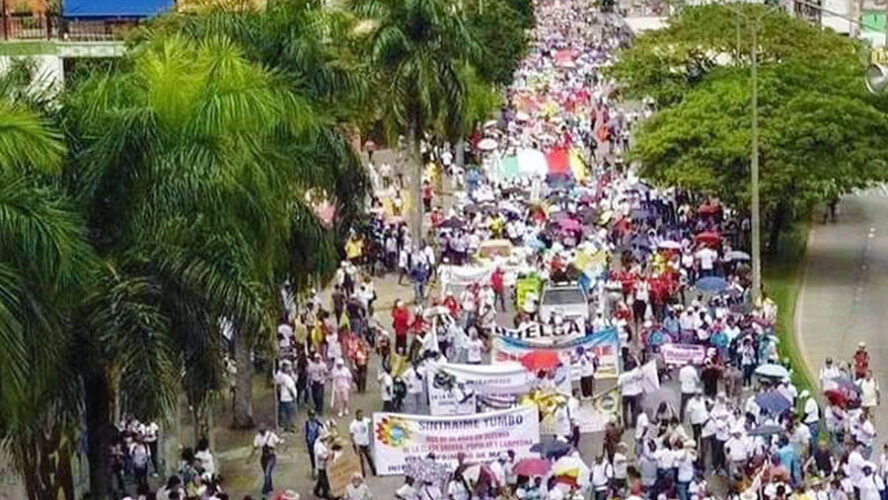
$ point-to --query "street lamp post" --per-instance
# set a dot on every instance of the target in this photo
(754, 173)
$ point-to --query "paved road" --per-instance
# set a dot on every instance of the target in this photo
(844, 297)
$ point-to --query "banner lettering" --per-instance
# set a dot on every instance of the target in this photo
(605, 344)
(682, 354)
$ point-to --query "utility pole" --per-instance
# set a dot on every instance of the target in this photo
(754, 167)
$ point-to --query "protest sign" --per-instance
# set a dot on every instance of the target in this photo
(591, 416)
(453, 388)
(545, 334)
(340, 471)
(605, 344)
(682, 354)
(399, 439)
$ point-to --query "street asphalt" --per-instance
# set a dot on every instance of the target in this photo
(844, 293)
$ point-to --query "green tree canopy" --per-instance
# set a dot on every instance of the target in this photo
(820, 132)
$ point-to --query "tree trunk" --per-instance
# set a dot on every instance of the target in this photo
(414, 155)
(99, 430)
(243, 383)
(44, 462)
(778, 219)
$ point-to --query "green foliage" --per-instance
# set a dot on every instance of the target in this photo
(500, 30)
(820, 133)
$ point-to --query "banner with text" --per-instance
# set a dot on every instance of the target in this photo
(682, 354)
(605, 344)
(453, 388)
(399, 439)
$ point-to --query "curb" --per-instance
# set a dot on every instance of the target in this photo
(800, 306)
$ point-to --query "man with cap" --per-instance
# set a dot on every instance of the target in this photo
(357, 488)
(322, 455)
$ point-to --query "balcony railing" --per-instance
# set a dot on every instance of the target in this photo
(54, 27)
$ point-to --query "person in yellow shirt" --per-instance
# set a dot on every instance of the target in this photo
(354, 248)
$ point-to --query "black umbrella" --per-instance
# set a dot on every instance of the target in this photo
(551, 449)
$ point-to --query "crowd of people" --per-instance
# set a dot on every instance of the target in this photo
(549, 200)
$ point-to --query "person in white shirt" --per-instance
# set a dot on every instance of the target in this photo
(737, 451)
(265, 442)
(286, 383)
(456, 489)
(630, 390)
(149, 436)
(869, 392)
(865, 434)
(474, 348)
(683, 460)
(323, 455)
(690, 382)
(706, 257)
(642, 426)
(620, 465)
(828, 373)
(812, 415)
(387, 389)
(359, 429)
(697, 414)
(407, 491)
(602, 473)
(587, 362)
(357, 489)
(415, 394)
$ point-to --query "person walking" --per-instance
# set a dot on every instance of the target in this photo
(630, 390)
(322, 455)
(317, 377)
(359, 429)
(265, 443)
(342, 384)
(313, 430)
(287, 395)
(690, 382)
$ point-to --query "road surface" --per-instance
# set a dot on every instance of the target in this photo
(844, 295)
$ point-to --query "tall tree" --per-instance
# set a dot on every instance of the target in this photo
(418, 47)
(819, 129)
(45, 262)
(188, 166)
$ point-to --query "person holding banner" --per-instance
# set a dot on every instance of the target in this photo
(588, 363)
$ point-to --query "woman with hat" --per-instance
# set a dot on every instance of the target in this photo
(357, 488)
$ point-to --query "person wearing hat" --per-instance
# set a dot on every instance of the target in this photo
(360, 430)
(313, 430)
(811, 415)
(357, 489)
(342, 384)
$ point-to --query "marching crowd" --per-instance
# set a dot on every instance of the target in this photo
(661, 266)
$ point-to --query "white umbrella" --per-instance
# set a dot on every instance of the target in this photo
(487, 144)
(736, 255)
(521, 116)
(490, 123)
(669, 245)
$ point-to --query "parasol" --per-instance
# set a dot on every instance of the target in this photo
(772, 401)
(708, 238)
(540, 360)
(711, 284)
(532, 467)
(766, 430)
(572, 467)
(570, 225)
(772, 370)
(550, 449)
(669, 245)
(737, 255)
(487, 144)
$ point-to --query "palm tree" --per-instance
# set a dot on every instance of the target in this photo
(418, 48)
(188, 166)
(45, 260)
(311, 49)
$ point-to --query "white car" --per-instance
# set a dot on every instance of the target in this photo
(567, 301)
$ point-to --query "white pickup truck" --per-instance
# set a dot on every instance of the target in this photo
(567, 301)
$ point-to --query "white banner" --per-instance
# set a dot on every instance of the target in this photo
(453, 388)
(682, 354)
(605, 344)
(399, 439)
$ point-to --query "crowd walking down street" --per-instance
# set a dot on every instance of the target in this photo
(562, 330)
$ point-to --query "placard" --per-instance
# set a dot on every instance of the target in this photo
(453, 388)
(605, 344)
(682, 354)
(399, 439)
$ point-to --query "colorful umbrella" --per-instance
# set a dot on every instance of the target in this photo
(772, 370)
(577, 166)
(736, 255)
(559, 162)
(532, 467)
(570, 225)
(509, 167)
(708, 238)
(532, 163)
(487, 144)
(772, 401)
(669, 245)
(540, 360)
(711, 284)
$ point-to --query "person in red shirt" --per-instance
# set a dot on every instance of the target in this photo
(452, 305)
(497, 282)
(400, 323)
(861, 361)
